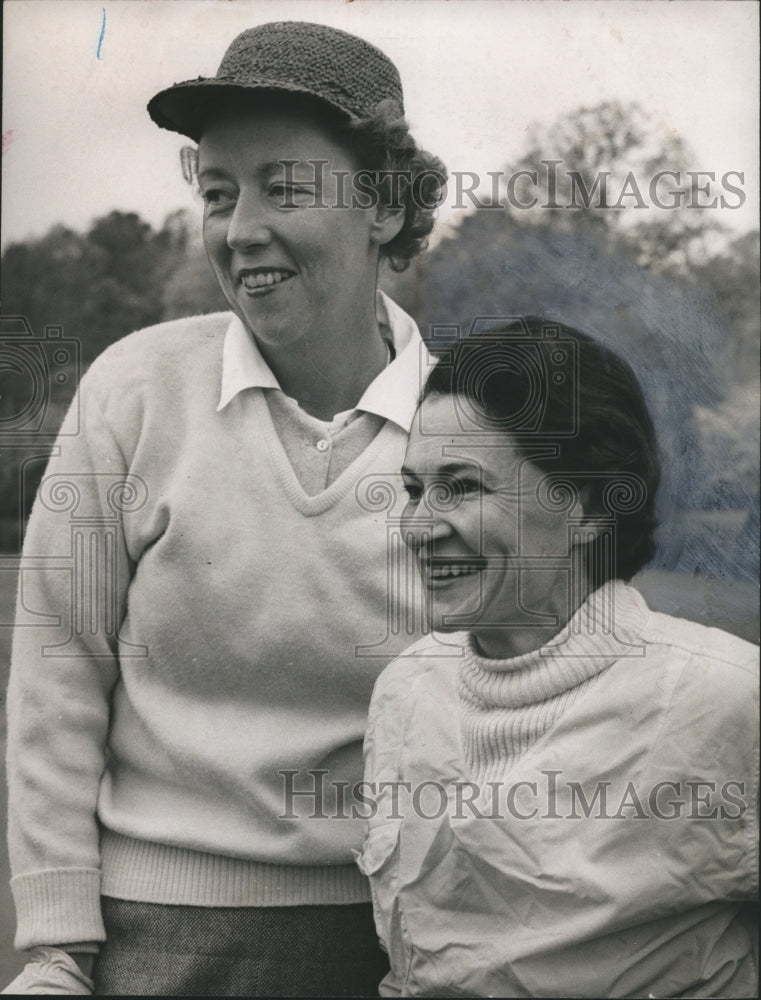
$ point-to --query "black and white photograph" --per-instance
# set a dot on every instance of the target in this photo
(379, 539)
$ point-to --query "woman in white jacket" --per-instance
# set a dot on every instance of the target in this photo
(562, 784)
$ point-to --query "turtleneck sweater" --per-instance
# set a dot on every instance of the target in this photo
(507, 705)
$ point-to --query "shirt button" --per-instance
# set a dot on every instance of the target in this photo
(323, 444)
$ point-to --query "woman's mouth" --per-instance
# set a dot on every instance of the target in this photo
(260, 280)
(444, 570)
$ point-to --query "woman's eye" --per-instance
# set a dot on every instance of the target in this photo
(291, 195)
(413, 491)
(217, 197)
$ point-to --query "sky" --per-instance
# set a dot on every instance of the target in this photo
(77, 74)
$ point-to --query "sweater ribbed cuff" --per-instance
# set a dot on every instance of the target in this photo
(156, 873)
(57, 907)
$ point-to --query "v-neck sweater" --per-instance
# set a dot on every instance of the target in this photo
(216, 713)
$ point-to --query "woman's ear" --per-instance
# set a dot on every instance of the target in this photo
(387, 224)
(593, 526)
(592, 520)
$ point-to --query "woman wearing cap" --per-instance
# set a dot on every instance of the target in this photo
(183, 727)
(576, 776)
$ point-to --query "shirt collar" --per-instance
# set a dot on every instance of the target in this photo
(393, 393)
(243, 366)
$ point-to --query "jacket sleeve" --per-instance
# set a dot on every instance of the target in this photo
(390, 986)
(51, 971)
(71, 599)
(379, 860)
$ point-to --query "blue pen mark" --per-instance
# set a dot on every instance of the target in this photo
(102, 33)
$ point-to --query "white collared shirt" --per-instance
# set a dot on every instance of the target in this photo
(392, 394)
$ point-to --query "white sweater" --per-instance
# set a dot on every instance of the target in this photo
(240, 605)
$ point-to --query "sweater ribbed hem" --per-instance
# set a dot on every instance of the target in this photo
(157, 873)
(59, 906)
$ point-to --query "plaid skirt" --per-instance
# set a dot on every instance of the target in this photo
(278, 951)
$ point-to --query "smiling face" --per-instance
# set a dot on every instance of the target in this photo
(291, 268)
(472, 514)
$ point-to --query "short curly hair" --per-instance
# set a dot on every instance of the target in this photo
(398, 171)
(405, 175)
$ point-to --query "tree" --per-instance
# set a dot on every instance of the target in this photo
(191, 288)
(622, 170)
(97, 287)
(732, 276)
(679, 303)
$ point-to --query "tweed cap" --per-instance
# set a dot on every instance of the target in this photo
(297, 57)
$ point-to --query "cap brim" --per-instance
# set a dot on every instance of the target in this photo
(186, 107)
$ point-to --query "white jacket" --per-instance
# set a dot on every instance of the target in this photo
(576, 872)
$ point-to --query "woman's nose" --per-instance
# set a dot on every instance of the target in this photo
(420, 525)
(248, 226)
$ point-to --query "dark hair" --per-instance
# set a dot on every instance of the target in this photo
(383, 143)
(404, 174)
(541, 381)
